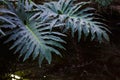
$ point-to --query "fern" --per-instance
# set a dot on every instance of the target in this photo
(76, 18)
(31, 36)
(31, 26)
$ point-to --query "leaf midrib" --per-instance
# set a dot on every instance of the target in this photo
(29, 29)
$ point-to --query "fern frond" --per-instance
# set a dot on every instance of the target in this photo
(76, 18)
(32, 37)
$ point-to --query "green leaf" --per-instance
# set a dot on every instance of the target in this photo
(76, 17)
(31, 36)
(48, 56)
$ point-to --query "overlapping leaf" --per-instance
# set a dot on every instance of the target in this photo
(32, 36)
(76, 18)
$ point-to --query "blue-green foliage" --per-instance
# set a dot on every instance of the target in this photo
(31, 36)
(76, 18)
(31, 26)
